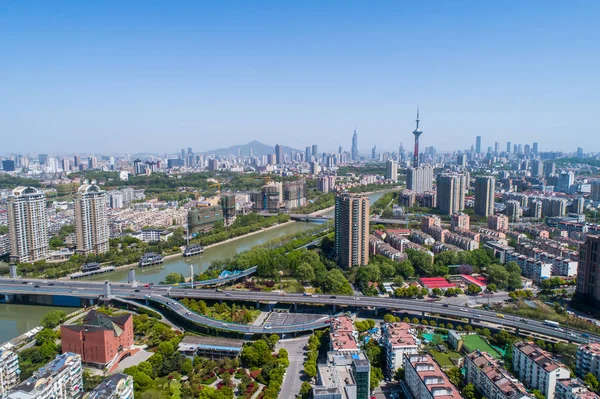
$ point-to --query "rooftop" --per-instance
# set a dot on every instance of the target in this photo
(107, 388)
(399, 334)
(500, 377)
(44, 375)
(542, 358)
(432, 376)
(342, 334)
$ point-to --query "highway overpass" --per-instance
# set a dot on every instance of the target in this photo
(165, 295)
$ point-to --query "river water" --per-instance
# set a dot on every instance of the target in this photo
(18, 319)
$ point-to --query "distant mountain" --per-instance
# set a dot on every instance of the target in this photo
(257, 148)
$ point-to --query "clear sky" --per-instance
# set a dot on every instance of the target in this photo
(132, 76)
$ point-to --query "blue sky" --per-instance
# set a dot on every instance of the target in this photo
(124, 76)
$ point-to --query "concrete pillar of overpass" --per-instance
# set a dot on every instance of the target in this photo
(107, 293)
(334, 308)
(295, 307)
(376, 311)
(257, 305)
(13, 271)
(131, 276)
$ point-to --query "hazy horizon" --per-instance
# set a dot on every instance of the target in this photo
(133, 77)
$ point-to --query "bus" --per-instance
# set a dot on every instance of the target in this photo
(551, 323)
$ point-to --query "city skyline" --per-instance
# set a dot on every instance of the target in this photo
(111, 77)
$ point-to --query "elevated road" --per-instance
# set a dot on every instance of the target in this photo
(165, 294)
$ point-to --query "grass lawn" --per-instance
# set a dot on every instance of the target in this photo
(443, 359)
(473, 342)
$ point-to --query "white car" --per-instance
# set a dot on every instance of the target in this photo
(225, 325)
(188, 313)
(267, 327)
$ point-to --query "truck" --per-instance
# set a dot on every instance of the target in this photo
(551, 323)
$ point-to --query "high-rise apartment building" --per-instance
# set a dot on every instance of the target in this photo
(420, 180)
(498, 222)
(588, 270)
(595, 193)
(62, 378)
(398, 340)
(565, 181)
(484, 195)
(513, 210)
(460, 221)
(391, 170)
(537, 168)
(9, 371)
(352, 230)
(90, 220)
(451, 190)
(315, 151)
(537, 369)
(27, 225)
(294, 194)
(588, 359)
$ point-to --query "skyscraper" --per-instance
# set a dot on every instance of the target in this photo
(315, 151)
(537, 168)
(308, 153)
(478, 144)
(535, 149)
(355, 146)
(417, 133)
(595, 192)
(391, 170)
(484, 195)
(374, 152)
(28, 225)
(508, 147)
(90, 220)
(351, 230)
(451, 189)
(278, 154)
(420, 179)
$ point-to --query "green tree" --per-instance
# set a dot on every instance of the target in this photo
(336, 283)
(473, 289)
(53, 318)
(469, 391)
(538, 394)
(173, 278)
(437, 292)
(405, 269)
(305, 273)
(591, 381)
(455, 376)
(305, 390)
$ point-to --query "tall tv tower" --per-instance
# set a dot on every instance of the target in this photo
(417, 133)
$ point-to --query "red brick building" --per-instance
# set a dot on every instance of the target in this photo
(100, 338)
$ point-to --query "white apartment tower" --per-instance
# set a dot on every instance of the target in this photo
(28, 225)
(90, 220)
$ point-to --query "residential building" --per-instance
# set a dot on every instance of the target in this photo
(391, 170)
(116, 386)
(398, 340)
(420, 179)
(294, 194)
(9, 371)
(554, 206)
(425, 379)
(513, 210)
(537, 168)
(91, 223)
(484, 195)
(573, 388)
(537, 369)
(588, 271)
(278, 154)
(498, 222)
(342, 335)
(460, 221)
(491, 379)
(407, 198)
(153, 235)
(595, 190)
(352, 230)
(116, 199)
(62, 378)
(100, 339)
(451, 190)
(344, 376)
(588, 359)
(28, 225)
(203, 218)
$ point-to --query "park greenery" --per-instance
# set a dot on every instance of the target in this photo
(316, 202)
(234, 313)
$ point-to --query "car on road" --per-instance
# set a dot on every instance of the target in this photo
(36, 286)
(24, 282)
(188, 313)
(30, 283)
(146, 285)
(445, 305)
(225, 325)
(356, 298)
(500, 315)
(524, 321)
(218, 290)
(267, 327)
(332, 297)
(585, 335)
(137, 291)
(51, 284)
(314, 296)
(227, 294)
(463, 309)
